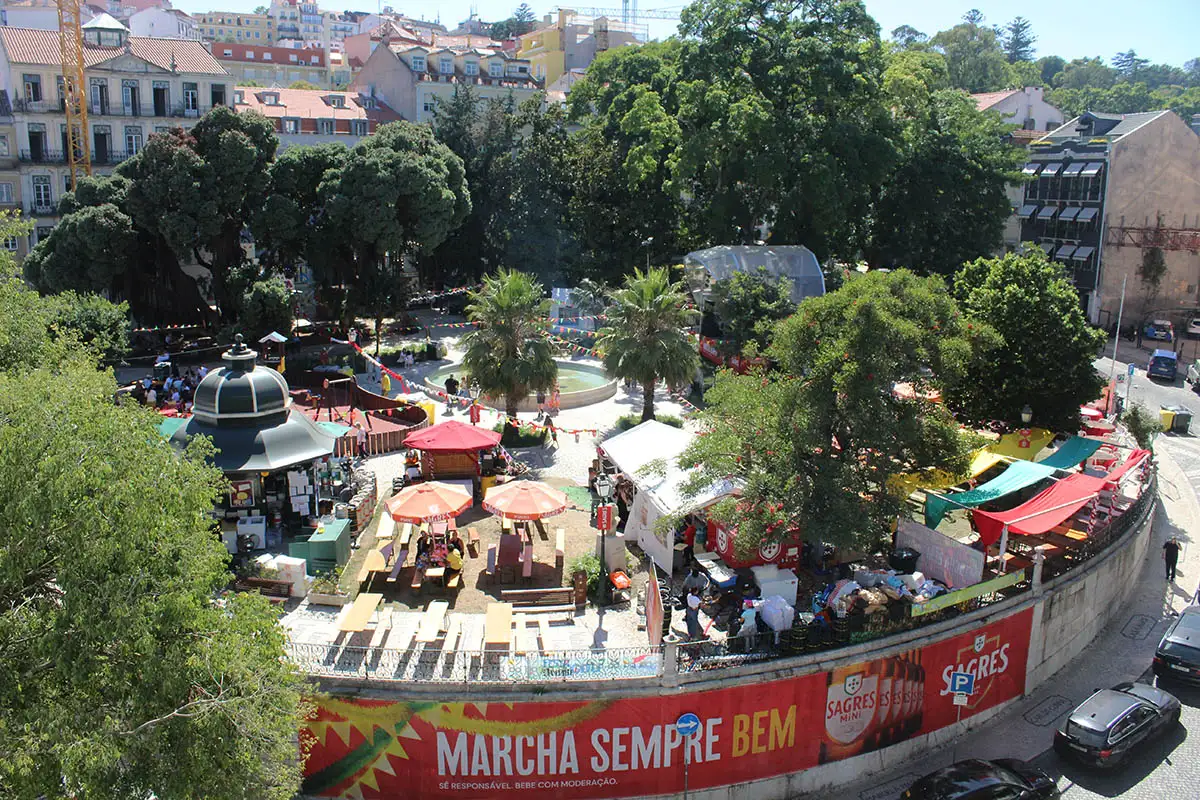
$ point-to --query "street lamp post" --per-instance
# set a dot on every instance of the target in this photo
(649, 240)
(604, 490)
(1026, 415)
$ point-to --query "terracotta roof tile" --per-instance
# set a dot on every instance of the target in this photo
(312, 104)
(28, 46)
(279, 55)
(986, 100)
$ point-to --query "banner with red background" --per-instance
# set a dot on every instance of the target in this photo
(629, 747)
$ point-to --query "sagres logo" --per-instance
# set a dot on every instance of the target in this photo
(850, 704)
(985, 658)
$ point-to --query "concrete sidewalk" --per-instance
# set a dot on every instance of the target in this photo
(1121, 653)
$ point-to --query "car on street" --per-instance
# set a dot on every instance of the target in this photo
(1193, 330)
(1178, 655)
(975, 779)
(1159, 330)
(1111, 724)
(1163, 364)
(1193, 375)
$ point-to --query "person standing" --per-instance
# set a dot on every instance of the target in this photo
(385, 383)
(451, 391)
(541, 403)
(1171, 556)
(361, 435)
(691, 616)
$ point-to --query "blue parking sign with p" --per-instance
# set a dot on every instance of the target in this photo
(962, 682)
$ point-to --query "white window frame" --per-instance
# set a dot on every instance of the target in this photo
(495, 69)
(133, 146)
(42, 185)
(446, 65)
(418, 63)
(471, 68)
(6, 193)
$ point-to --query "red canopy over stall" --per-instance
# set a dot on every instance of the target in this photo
(1044, 512)
(452, 436)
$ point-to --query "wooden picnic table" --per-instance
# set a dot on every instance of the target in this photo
(375, 562)
(433, 621)
(438, 573)
(498, 626)
(360, 613)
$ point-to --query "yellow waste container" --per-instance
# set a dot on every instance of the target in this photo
(430, 410)
(1167, 418)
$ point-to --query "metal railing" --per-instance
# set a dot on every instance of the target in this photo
(431, 665)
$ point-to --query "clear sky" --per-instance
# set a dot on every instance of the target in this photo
(1162, 30)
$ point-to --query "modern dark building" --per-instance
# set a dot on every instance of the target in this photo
(1106, 188)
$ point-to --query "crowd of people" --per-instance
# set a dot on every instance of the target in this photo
(445, 552)
(175, 390)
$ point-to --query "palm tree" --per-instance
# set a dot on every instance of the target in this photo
(644, 339)
(508, 354)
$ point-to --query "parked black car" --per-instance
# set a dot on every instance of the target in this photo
(1111, 724)
(974, 779)
(1178, 655)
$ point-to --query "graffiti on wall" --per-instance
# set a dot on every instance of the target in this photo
(629, 747)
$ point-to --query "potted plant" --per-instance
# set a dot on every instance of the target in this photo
(325, 590)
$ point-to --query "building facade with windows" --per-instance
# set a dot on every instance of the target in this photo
(1103, 191)
(227, 26)
(305, 116)
(572, 41)
(413, 79)
(274, 66)
(136, 87)
(164, 23)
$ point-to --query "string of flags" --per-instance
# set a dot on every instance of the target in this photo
(158, 328)
(574, 348)
(467, 402)
(425, 298)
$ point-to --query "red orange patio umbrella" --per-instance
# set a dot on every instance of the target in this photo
(428, 502)
(525, 500)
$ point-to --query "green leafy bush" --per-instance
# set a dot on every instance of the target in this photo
(523, 436)
(1142, 424)
(633, 420)
(588, 563)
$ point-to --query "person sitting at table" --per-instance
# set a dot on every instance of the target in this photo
(456, 543)
(422, 550)
(454, 563)
(438, 554)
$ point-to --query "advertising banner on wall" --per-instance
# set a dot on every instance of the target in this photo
(630, 747)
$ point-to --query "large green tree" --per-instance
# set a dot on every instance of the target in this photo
(945, 201)
(645, 338)
(976, 60)
(398, 194)
(508, 353)
(1043, 356)
(813, 445)
(749, 304)
(124, 675)
(1017, 40)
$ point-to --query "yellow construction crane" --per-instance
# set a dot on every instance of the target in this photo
(75, 101)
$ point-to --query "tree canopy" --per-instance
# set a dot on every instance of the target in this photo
(116, 649)
(814, 443)
(1044, 349)
(748, 305)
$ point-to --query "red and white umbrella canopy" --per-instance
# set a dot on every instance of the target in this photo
(525, 500)
(1089, 413)
(428, 502)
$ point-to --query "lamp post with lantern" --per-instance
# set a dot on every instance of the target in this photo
(604, 521)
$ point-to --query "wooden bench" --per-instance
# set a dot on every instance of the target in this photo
(418, 580)
(531, 597)
(490, 571)
(382, 628)
(454, 580)
(273, 590)
(473, 542)
(401, 560)
(406, 534)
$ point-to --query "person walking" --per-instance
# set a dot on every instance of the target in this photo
(361, 435)
(451, 392)
(1171, 556)
(541, 403)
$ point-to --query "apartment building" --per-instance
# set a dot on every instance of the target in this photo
(226, 26)
(1033, 117)
(163, 23)
(273, 66)
(1104, 190)
(413, 79)
(137, 87)
(572, 41)
(358, 48)
(11, 201)
(305, 116)
(306, 22)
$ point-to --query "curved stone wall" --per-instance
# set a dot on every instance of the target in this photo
(583, 397)
(769, 730)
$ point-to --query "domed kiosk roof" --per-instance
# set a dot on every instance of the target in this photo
(247, 411)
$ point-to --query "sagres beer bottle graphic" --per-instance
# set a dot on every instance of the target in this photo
(851, 705)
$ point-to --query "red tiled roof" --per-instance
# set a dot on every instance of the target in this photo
(465, 42)
(28, 46)
(986, 100)
(312, 104)
(279, 55)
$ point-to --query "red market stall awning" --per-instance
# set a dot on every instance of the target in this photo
(1044, 512)
(1134, 459)
(452, 436)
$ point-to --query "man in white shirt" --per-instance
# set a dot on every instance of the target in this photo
(152, 398)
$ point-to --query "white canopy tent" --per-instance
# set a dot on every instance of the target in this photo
(648, 456)
(794, 264)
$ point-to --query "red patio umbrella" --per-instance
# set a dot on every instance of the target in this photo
(524, 500)
(452, 436)
(428, 502)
